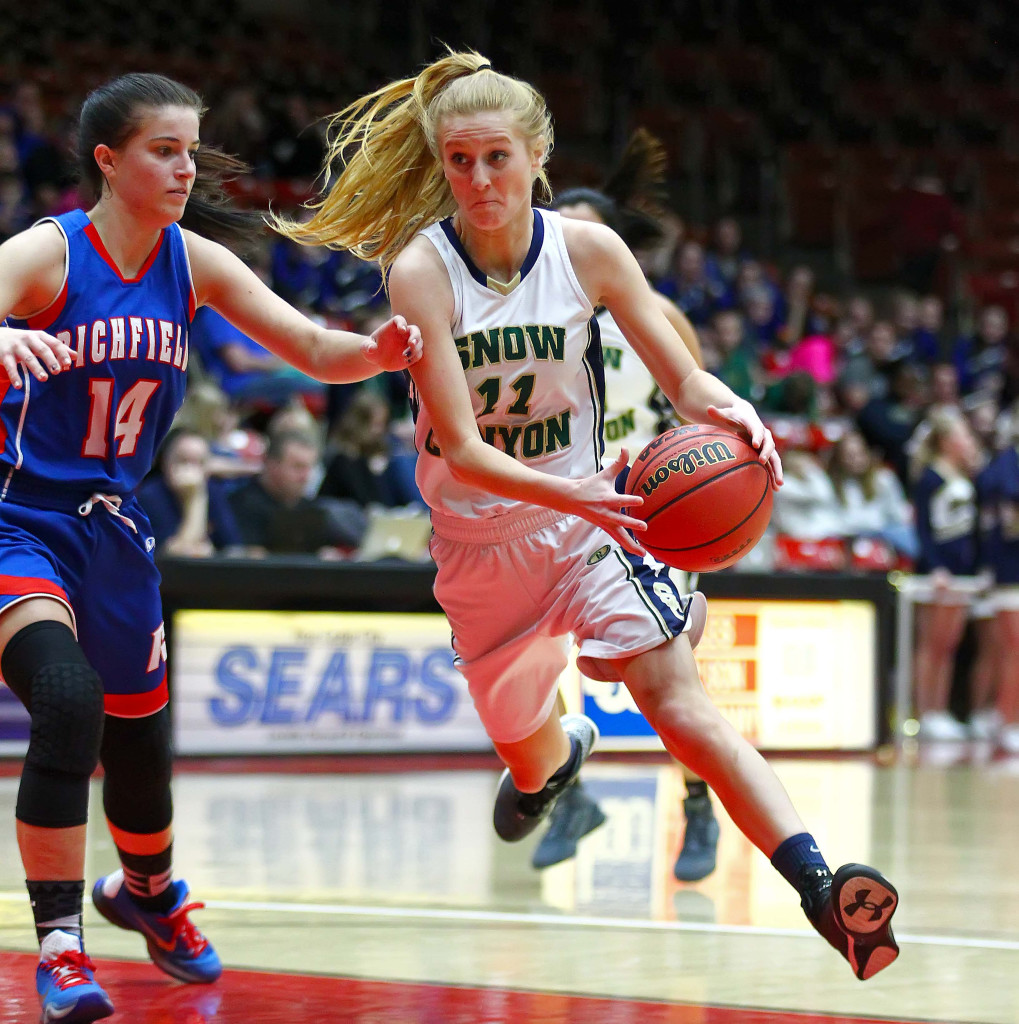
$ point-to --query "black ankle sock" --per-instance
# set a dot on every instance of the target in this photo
(56, 906)
(795, 854)
(563, 773)
(699, 788)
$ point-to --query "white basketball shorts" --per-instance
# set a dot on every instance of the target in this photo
(515, 590)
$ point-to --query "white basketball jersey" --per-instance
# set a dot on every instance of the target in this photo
(532, 359)
(636, 410)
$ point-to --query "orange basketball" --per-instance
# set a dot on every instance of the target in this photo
(707, 497)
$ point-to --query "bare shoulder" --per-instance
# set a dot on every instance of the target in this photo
(213, 266)
(418, 276)
(596, 252)
(32, 268)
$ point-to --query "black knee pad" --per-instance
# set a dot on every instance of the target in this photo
(46, 668)
(137, 759)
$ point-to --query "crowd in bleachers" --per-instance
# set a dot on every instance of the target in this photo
(842, 205)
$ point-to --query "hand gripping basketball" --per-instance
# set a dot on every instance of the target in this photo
(707, 497)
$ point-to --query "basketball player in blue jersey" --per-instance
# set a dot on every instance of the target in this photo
(530, 540)
(97, 309)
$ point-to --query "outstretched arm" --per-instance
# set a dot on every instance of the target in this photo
(235, 291)
(611, 276)
(419, 288)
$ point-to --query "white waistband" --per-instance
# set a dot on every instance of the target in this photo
(495, 529)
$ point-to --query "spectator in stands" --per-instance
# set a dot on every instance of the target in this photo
(855, 323)
(735, 360)
(763, 320)
(298, 273)
(368, 465)
(888, 422)
(980, 358)
(696, 293)
(245, 371)
(928, 339)
(872, 501)
(928, 224)
(726, 255)
(296, 145)
(275, 515)
(234, 451)
(944, 386)
(800, 320)
(944, 497)
(806, 507)
(186, 505)
(237, 124)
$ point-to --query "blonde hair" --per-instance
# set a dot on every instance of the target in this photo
(391, 184)
(930, 436)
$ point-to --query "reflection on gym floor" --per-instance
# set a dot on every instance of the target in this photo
(399, 877)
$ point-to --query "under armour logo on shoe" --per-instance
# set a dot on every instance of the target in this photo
(862, 903)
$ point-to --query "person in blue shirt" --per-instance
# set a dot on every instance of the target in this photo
(188, 507)
(245, 370)
(94, 355)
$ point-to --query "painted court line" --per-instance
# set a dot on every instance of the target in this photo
(562, 921)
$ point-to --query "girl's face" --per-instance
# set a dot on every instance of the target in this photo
(854, 455)
(490, 167)
(153, 171)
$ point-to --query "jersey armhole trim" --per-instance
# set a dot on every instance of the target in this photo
(45, 316)
(453, 285)
(192, 294)
(564, 252)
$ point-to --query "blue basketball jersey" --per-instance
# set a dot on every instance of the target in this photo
(71, 437)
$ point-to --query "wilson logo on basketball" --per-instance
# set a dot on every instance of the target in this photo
(688, 463)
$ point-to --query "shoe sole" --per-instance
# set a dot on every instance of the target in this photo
(88, 1010)
(872, 947)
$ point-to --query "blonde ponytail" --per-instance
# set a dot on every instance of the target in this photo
(391, 183)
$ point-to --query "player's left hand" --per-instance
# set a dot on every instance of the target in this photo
(393, 346)
(742, 417)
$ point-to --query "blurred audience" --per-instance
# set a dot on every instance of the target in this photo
(368, 464)
(273, 509)
(187, 506)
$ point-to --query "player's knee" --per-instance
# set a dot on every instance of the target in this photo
(67, 719)
(47, 669)
(63, 693)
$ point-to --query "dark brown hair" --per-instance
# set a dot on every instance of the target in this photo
(113, 112)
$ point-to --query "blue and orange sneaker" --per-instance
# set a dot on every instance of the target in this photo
(175, 945)
(66, 985)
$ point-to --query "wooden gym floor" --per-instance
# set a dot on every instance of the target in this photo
(382, 895)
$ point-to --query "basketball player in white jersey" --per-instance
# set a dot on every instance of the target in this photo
(435, 179)
(636, 411)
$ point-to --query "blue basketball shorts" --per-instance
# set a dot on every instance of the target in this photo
(104, 571)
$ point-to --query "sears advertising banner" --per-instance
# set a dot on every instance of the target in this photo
(789, 675)
(294, 682)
